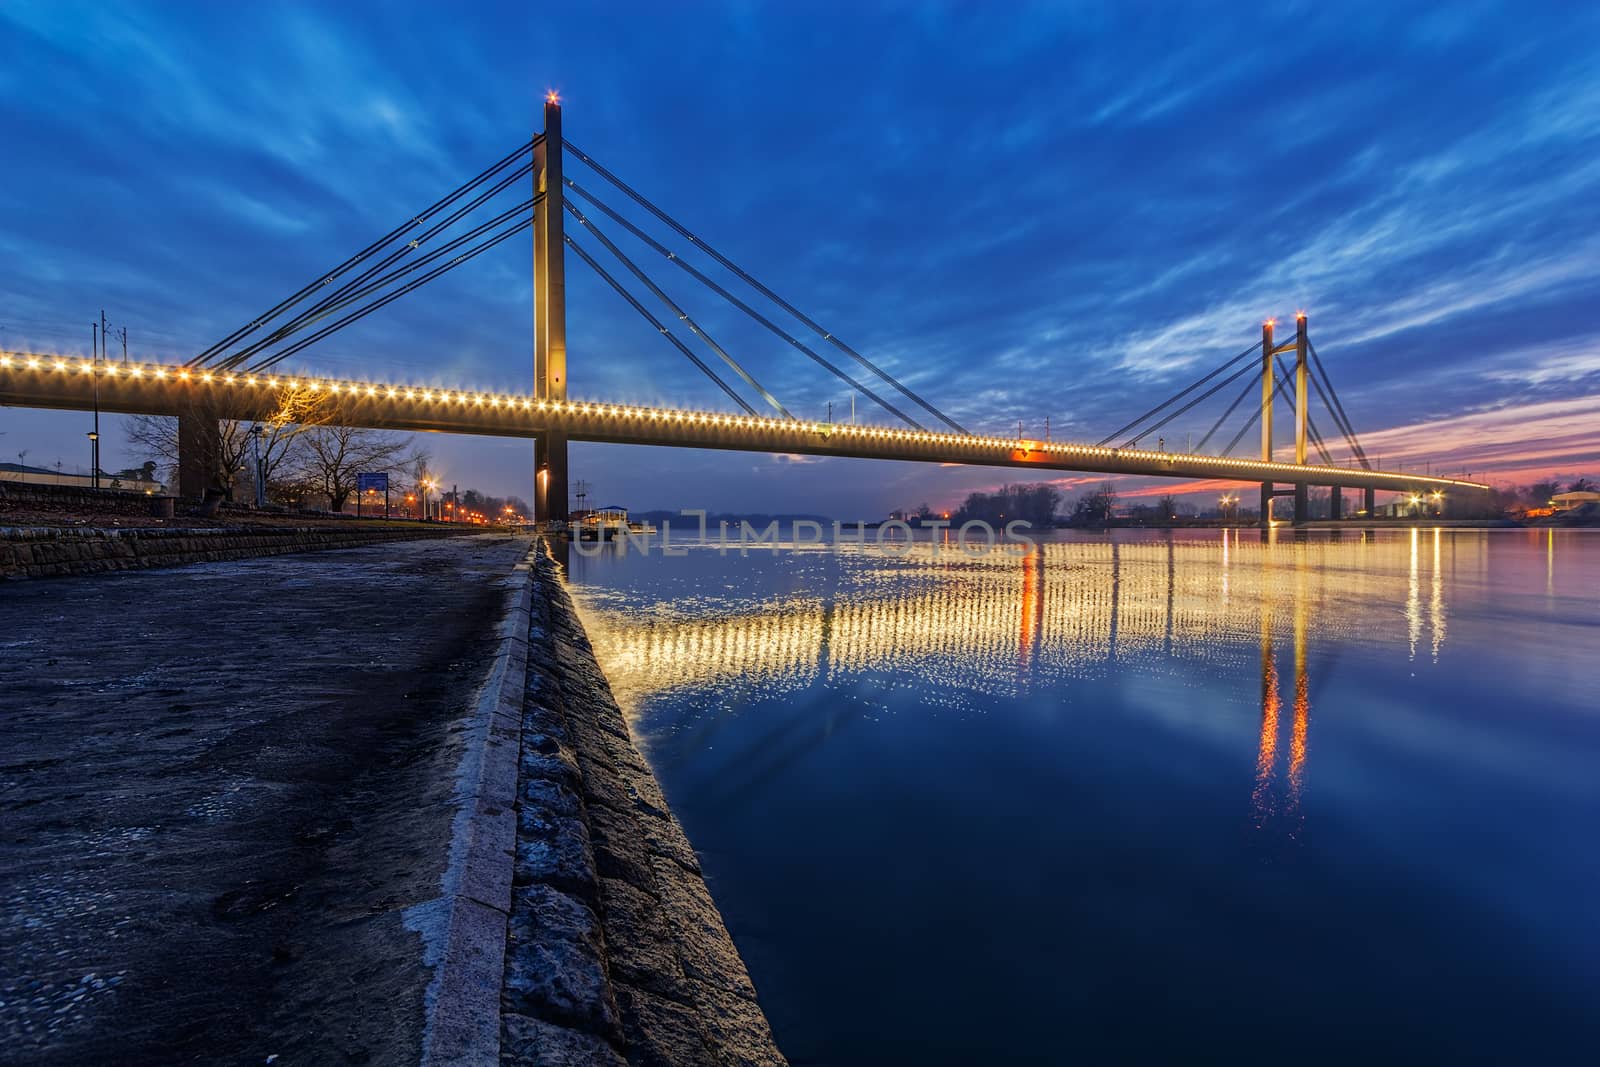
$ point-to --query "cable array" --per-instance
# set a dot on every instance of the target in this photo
(218, 355)
(1229, 372)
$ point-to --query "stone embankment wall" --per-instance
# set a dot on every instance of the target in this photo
(616, 952)
(71, 498)
(50, 552)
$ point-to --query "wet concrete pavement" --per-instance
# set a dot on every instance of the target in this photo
(220, 787)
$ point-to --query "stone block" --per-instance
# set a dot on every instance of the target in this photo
(555, 966)
(526, 1042)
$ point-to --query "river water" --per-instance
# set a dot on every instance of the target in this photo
(1139, 797)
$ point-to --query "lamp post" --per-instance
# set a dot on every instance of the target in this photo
(261, 474)
(94, 435)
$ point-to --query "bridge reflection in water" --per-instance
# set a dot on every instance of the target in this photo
(1230, 604)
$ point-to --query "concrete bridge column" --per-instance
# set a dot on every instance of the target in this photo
(1266, 504)
(1302, 502)
(1371, 501)
(1335, 503)
(549, 315)
(550, 500)
(199, 453)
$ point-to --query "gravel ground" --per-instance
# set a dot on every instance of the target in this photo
(220, 786)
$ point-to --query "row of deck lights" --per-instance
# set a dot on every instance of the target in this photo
(576, 407)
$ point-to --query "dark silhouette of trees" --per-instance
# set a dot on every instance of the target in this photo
(1094, 507)
(1033, 504)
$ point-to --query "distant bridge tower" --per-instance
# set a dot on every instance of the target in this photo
(549, 315)
(1302, 413)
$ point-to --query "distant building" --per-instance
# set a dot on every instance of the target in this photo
(138, 480)
(1568, 501)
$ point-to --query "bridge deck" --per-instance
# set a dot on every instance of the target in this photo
(159, 389)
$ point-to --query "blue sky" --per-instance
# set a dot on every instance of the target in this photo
(1057, 211)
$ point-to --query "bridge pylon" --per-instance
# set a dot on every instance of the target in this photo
(549, 315)
(1302, 412)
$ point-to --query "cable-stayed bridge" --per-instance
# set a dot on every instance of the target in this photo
(243, 376)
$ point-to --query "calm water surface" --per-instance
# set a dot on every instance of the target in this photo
(1140, 798)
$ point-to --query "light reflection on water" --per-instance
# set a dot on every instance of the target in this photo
(1137, 796)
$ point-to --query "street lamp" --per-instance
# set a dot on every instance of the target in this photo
(94, 459)
(261, 478)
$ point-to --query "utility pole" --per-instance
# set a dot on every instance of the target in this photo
(94, 436)
(830, 413)
(261, 478)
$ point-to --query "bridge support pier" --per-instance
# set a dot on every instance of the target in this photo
(550, 477)
(1371, 501)
(199, 453)
(1266, 504)
(1302, 503)
(1335, 503)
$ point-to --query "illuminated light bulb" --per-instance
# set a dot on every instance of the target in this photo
(371, 391)
(5, 361)
(33, 364)
(390, 393)
(478, 400)
(228, 379)
(161, 372)
(61, 364)
(335, 387)
(137, 372)
(540, 405)
(313, 386)
(251, 380)
(206, 377)
(525, 404)
(272, 382)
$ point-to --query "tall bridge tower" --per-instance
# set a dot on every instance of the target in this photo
(1302, 416)
(549, 315)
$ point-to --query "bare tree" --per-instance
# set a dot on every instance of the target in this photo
(296, 411)
(334, 455)
(156, 436)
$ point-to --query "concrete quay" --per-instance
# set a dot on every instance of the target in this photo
(371, 806)
(617, 953)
